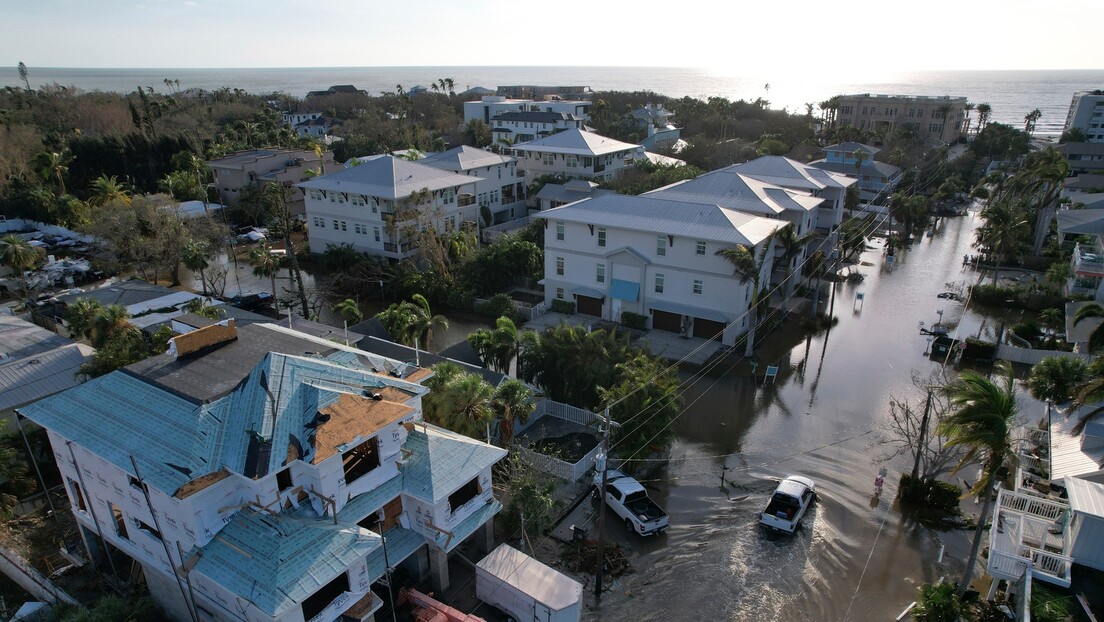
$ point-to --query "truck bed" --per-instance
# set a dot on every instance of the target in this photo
(643, 507)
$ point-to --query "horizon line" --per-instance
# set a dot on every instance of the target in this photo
(517, 66)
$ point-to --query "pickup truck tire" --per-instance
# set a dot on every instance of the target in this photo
(629, 526)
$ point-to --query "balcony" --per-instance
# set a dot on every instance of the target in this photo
(1087, 261)
(465, 200)
(1030, 530)
(405, 247)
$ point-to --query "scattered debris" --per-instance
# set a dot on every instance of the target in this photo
(581, 556)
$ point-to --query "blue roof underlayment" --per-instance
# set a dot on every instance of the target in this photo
(278, 560)
(441, 462)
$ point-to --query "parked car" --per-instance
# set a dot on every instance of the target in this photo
(629, 500)
(259, 301)
(788, 505)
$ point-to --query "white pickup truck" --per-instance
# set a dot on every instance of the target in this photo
(788, 505)
(628, 499)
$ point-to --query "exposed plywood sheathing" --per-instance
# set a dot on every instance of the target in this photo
(353, 416)
(394, 394)
(203, 338)
(200, 483)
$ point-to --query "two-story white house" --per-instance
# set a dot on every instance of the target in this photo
(498, 185)
(374, 206)
(490, 106)
(656, 257)
(519, 127)
(575, 154)
(259, 474)
(793, 175)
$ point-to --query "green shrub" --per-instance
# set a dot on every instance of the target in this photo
(1048, 605)
(563, 306)
(501, 305)
(932, 493)
(634, 321)
(1028, 330)
(1054, 377)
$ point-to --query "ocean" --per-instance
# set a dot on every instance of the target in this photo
(1012, 94)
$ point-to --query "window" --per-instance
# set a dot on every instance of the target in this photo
(360, 460)
(359, 228)
(466, 493)
(560, 266)
(934, 128)
(283, 480)
(357, 200)
(661, 245)
(449, 196)
(572, 161)
(700, 248)
(601, 236)
(494, 196)
(376, 232)
(134, 482)
(343, 226)
(698, 286)
(319, 222)
(335, 225)
(549, 159)
(920, 113)
(150, 531)
(560, 231)
(317, 602)
(600, 273)
(78, 496)
(659, 284)
(559, 293)
(120, 521)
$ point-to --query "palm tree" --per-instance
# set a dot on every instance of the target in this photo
(424, 322)
(109, 324)
(53, 166)
(983, 414)
(792, 246)
(966, 110)
(194, 256)
(349, 311)
(265, 264)
(79, 315)
(983, 113)
(512, 401)
(498, 347)
(749, 267)
(1030, 119)
(277, 195)
(106, 190)
(1089, 391)
(19, 255)
(1092, 310)
(1003, 232)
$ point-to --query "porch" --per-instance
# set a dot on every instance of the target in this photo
(1029, 530)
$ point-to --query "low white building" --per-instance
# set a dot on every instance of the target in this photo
(375, 206)
(490, 106)
(575, 154)
(264, 475)
(498, 186)
(656, 257)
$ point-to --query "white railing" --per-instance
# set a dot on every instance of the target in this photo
(555, 466)
(1024, 527)
(492, 233)
(1029, 461)
(1029, 504)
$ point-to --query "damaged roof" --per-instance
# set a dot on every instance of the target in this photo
(440, 461)
(276, 561)
(287, 407)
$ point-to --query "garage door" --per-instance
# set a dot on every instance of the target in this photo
(708, 329)
(670, 322)
(588, 306)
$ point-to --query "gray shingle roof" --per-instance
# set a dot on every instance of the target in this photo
(34, 377)
(388, 177)
(698, 220)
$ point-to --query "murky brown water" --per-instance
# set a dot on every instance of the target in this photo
(857, 558)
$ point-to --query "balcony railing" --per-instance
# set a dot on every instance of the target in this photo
(465, 200)
(391, 247)
(1087, 261)
(1030, 530)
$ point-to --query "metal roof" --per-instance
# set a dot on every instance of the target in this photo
(692, 311)
(589, 292)
(440, 462)
(1081, 221)
(869, 167)
(1090, 200)
(534, 116)
(732, 190)
(465, 158)
(576, 141)
(529, 576)
(852, 147)
(388, 177)
(28, 379)
(1085, 496)
(276, 561)
(176, 440)
(125, 293)
(782, 171)
(20, 339)
(1067, 454)
(628, 291)
(698, 220)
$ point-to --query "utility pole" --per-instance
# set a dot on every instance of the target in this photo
(920, 442)
(603, 464)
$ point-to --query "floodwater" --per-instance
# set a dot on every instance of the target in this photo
(856, 557)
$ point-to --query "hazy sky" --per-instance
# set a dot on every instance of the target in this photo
(722, 35)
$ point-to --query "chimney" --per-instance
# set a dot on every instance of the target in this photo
(203, 339)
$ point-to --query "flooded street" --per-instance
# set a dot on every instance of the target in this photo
(857, 557)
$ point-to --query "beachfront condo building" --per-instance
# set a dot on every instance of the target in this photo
(259, 167)
(1086, 113)
(490, 106)
(937, 119)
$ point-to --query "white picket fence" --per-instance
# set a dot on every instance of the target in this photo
(554, 466)
(492, 233)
